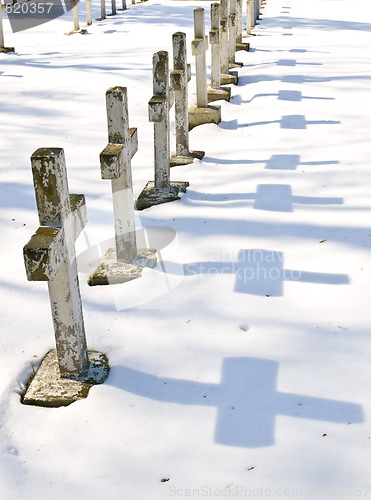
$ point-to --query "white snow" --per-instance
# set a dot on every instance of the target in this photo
(222, 381)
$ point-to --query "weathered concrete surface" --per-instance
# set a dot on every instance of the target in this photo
(48, 388)
(151, 196)
(110, 271)
(207, 114)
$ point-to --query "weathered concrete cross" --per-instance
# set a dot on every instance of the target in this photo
(215, 92)
(232, 26)
(2, 46)
(161, 190)
(261, 272)
(124, 263)
(201, 113)
(225, 76)
(179, 79)
(50, 256)
(247, 400)
(239, 44)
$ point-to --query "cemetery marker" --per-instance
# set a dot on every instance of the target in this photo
(215, 91)
(225, 76)
(161, 190)
(125, 262)
(232, 24)
(201, 113)
(3, 49)
(66, 373)
(179, 79)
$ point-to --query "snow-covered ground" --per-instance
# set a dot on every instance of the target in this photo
(240, 366)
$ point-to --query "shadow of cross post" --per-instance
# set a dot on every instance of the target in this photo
(247, 400)
(261, 272)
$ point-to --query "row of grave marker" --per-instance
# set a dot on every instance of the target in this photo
(67, 372)
(231, 23)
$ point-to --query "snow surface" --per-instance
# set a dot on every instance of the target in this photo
(240, 366)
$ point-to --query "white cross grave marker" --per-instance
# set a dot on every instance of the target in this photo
(179, 79)
(201, 113)
(232, 24)
(225, 76)
(161, 190)
(50, 256)
(2, 46)
(215, 92)
(239, 44)
(125, 262)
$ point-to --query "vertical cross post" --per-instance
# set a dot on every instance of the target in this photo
(179, 79)
(161, 97)
(199, 47)
(103, 14)
(239, 44)
(201, 113)
(232, 24)
(89, 18)
(215, 46)
(2, 46)
(125, 262)
(76, 22)
(257, 10)
(215, 92)
(50, 256)
(54, 208)
(75, 15)
(119, 171)
(162, 190)
(249, 14)
(225, 76)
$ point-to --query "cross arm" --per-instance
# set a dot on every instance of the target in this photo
(177, 79)
(44, 253)
(133, 133)
(78, 209)
(199, 46)
(214, 36)
(157, 108)
(111, 161)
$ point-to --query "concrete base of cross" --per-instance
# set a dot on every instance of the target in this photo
(111, 272)
(151, 196)
(81, 31)
(48, 388)
(221, 93)
(175, 160)
(5, 50)
(242, 46)
(199, 116)
(231, 77)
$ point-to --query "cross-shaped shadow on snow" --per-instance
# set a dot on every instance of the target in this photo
(261, 272)
(246, 399)
(288, 121)
(269, 197)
